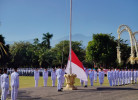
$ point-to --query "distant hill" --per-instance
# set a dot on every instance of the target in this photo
(75, 37)
(56, 40)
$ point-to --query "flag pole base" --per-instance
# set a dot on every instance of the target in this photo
(70, 80)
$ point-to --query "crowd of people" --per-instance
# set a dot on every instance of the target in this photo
(116, 77)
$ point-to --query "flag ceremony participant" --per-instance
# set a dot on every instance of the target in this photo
(101, 77)
(91, 76)
(0, 79)
(126, 77)
(82, 82)
(114, 77)
(135, 76)
(36, 77)
(59, 73)
(14, 84)
(45, 76)
(110, 77)
(4, 85)
(87, 73)
(63, 78)
(129, 76)
(117, 77)
(95, 76)
(123, 77)
(120, 77)
(53, 77)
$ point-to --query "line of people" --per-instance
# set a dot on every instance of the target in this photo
(122, 77)
(93, 75)
(55, 74)
(4, 83)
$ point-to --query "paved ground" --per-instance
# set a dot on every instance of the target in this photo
(129, 92)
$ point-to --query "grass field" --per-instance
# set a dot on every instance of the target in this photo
(28, 82)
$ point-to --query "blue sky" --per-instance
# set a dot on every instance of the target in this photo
(27, 19)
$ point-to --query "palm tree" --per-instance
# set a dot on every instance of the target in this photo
(46, 39)
(2, 46)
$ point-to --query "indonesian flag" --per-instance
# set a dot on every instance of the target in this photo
(77, 67)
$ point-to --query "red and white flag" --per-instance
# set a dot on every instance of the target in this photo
(77, 67)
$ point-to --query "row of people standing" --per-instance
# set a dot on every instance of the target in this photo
(4, 80)
(54, 76)
(122, 77)
(93, 75)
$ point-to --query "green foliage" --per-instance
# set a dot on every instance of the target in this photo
(101, 50)
(62, 50)
(46, 39)
(4, 52)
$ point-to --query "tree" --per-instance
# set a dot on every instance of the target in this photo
(61, 51)
(22, 54)
(4, 52)
(46, 39)
(102, 50)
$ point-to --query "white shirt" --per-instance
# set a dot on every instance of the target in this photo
(36, 75)
(59, 73)
(15, 79)
(53, 75)
(91, 74)
(45, 74)
(5, 81)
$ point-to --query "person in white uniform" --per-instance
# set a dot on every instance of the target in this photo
(14, 84)
(63, 78)
(114, 77)
(87, 73)
(120, 77)
(4, 85)
(117, 77)
(123, 77)
(53, 77)
(126, 77)
(91, 76)
(36, 77)
(110, 76)
(0, 79)
(135, 76)
(129, 76)
(45, 76)
(59, 73)
(95, 76)
(101, 77)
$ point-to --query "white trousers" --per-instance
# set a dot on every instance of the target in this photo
(113, 82)
(36, 83)
(86, 82)
(45, 82)
(129, 80)
(4, 94)
(91, 80)
(135, 79)
(81, 81)
(14, 92)
(120, 81)
(116, 81)
(53, 82)
(126, 81)
(123, 81)
(59, 83)
(95, 79)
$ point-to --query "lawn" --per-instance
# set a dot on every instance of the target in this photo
(28, 82)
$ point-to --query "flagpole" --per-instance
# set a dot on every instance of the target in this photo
(70, 78)
(70, 34)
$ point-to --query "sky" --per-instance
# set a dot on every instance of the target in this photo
(28, 19)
